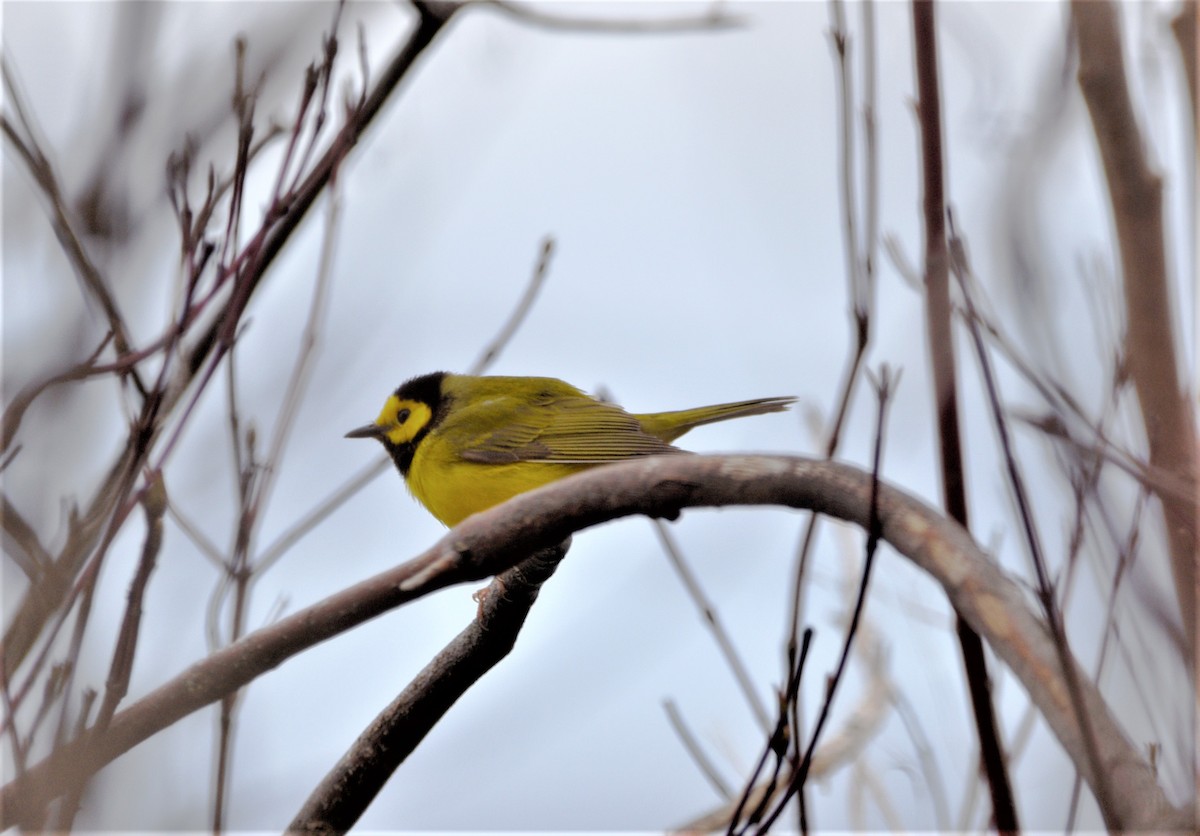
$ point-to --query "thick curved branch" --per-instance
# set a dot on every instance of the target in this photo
(489, 543)
(354, 782)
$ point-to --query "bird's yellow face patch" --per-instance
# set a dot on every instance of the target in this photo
(401, 420)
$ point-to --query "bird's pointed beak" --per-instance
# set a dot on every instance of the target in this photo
(369, 431)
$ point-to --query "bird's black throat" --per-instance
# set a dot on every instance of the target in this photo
(402, 454)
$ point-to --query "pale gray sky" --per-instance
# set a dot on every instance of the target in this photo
(691, 183)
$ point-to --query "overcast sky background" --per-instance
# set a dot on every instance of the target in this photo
(691, 184)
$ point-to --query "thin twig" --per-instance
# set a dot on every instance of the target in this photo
(43, 173)
(121, 669)
(945, 391)
(302, 370)
(256, 257)
(430, 22)
(713, 621)
(707, 768)
(70, 665)
(840, 41)
(256, 481)
(861, 307)
(884, 388)
(205, 546)
(323, 509)
(1045, 590)
(865, 780)
(235, 580)
(36, 560)
(515, 319)
(64, 818)
(1124, 559)
(1063, 404)
(19, 750)
(859, 276)
(15, 411)
(846, 747)
(870, 146)
(929, 768)
(717, 18)
(777, 742)
(45, 607)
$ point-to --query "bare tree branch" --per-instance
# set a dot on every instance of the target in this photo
(856, 730)
(493, 349)
(884, 390)
(42, 171)
(492, 541)
(860, 272)
(1033, 541)
(1150, 343)
(715, 19)
(690, 742)
(708, 612)
(432, 17)
(112, 502)
(945, 393)
(346, 791)
(125, 649)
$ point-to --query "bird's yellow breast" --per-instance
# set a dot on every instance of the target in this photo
(453, 489)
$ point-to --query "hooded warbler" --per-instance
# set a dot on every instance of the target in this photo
(464, 443)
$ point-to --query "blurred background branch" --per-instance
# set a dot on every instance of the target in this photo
(716, 199)
(1151, 338)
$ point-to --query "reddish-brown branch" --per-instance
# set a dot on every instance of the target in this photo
(117, 685)
(1046, 591)
(114, 500)
(490, 542)
(431, 18)
(94, 282)
(46, 598)
(941, 354)
(1150, 342)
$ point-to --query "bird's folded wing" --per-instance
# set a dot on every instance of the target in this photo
(565, 430)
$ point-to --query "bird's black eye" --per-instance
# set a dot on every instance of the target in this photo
(402, 416)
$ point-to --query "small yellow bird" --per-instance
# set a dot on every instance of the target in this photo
(464, 443)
